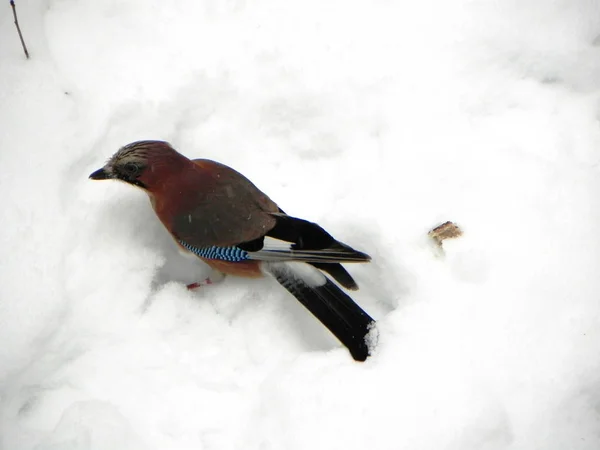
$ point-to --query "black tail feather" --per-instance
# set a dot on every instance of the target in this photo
(335, 309)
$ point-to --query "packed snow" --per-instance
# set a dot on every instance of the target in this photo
(377, 119)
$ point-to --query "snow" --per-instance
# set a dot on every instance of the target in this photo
(377, 119)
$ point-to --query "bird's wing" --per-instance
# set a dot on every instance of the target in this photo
(226, 217)
(221, 208)
(274, 250)
(294, 239)
(291, 239)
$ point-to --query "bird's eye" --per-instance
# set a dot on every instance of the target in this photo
(131, 169)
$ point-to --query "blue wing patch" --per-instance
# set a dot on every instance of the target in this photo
(233, 254)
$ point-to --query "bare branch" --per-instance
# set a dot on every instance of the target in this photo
(14, 10)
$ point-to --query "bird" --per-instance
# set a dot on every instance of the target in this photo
(218, 214)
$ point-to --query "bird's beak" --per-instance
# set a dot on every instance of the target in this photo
(100, 174)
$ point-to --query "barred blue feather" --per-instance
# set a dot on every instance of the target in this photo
(232, 254)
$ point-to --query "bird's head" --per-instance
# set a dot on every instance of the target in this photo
(143, 163)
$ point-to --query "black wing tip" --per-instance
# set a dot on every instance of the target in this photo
(339, 274)
(356, 255)
(366, 258)
(307, 235)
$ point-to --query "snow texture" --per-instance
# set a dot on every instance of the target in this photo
(377, 119)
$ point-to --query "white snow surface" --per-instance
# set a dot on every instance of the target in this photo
(377, 119)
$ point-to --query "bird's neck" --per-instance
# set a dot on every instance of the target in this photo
(162, 174)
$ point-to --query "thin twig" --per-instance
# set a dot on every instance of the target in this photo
(12, 3)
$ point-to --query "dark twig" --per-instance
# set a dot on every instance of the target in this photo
(14, 10)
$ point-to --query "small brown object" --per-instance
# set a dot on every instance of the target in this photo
(447, 230)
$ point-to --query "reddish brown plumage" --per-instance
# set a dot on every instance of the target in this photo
(247, 269)
(205, 203)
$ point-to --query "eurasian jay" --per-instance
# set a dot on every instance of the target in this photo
(219, 215)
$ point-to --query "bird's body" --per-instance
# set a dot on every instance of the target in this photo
(218, 214)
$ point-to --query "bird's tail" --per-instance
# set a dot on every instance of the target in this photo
(328, 303)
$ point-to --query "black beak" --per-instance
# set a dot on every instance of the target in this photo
(99, 174)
